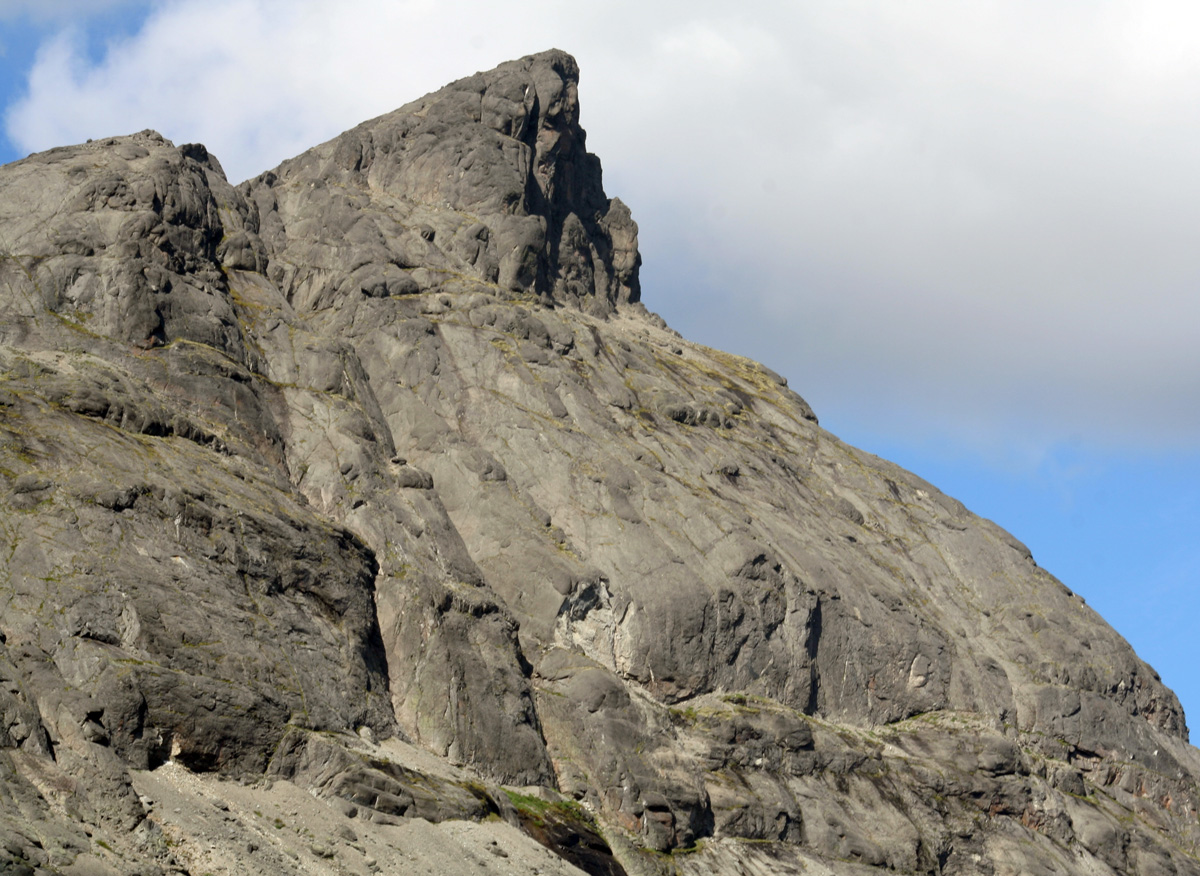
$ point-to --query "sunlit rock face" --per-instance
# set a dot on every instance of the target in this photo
(372, 478)
(488, 180)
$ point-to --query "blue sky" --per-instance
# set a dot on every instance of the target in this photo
(965, 232)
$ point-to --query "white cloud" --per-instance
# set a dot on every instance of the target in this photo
(964, 217)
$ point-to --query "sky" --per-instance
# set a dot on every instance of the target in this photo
(965, 232)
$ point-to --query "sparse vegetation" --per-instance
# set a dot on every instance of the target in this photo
(539, 810)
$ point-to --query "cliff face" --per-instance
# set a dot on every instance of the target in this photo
(372, 477)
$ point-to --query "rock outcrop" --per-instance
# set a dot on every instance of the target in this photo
(372, 476)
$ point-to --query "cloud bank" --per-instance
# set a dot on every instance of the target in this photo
(936, 218)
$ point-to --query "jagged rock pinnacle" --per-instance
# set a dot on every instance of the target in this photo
(487, 178)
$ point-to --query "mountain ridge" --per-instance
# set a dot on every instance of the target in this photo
(395, 420)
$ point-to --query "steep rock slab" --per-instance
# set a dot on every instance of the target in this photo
(459, 682)
(156, 553)
(145, 265)
(673, 513)
(168, 593)
(194, 606)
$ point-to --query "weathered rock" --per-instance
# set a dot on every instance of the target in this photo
(382, 443)
(488, 178)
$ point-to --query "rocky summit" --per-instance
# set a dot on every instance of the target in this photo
(360, 518)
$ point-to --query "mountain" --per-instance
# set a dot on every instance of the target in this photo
(360, 518)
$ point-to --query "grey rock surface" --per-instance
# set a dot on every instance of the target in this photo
(371, 480)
